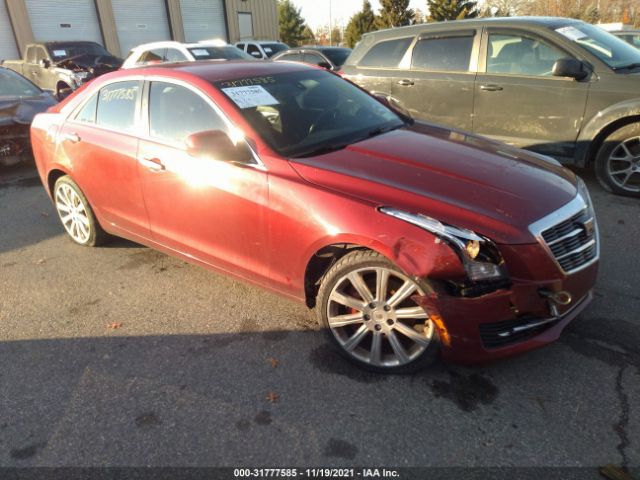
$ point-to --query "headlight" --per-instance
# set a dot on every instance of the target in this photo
(79, 77)
(479, 255)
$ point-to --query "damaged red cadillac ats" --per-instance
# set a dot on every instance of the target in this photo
(409, 239)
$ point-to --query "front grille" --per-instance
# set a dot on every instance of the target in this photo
(573, 242)
(501, 334)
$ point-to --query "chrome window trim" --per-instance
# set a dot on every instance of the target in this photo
(575, 206)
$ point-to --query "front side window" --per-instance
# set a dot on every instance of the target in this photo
(175, 112)
(613, 51)
(386, 54)
(446, 54)
(314, 59)
(308, 112)
(117, 105)
(337, 55)
(272, 48)
(520, 55)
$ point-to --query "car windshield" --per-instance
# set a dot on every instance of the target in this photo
(227, 52)
(272, 48)
(60, 51)
(613, 51)
(308, 112)
(13, 85)
(337, 55)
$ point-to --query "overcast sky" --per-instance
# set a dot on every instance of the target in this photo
(316, 12)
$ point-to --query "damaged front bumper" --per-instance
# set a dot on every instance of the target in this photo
(527, 315)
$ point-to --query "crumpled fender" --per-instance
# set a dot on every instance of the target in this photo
(611, 114)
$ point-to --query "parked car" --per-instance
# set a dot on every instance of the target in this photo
(632, 37)
(20, 101)
(557, 86)
(168, 52)
(61, 67)
(261, 49)
(408, 238)
(331, 58)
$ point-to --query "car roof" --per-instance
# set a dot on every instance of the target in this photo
(319, 48)
(550, 22)
(172, 43)
(215, 71)
(261, 42)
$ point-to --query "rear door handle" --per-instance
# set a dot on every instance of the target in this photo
(491, 88)
(70, 137)
(405, 82)
(152, 163)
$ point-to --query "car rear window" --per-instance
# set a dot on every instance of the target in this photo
(386, 54)
(449, 54)
(212, 53)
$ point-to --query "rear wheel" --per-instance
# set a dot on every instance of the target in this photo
(365, 305)
(618, 161)
(75, 213)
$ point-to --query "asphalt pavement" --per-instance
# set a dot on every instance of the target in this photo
(123, 356)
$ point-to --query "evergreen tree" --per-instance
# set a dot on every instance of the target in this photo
(291, 23)
(394, 13)
(440, 10)
(359, 24)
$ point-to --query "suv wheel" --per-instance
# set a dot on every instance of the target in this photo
(366, 308)
(618, 161)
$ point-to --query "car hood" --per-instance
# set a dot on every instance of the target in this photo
(21, 110)
(458, 178)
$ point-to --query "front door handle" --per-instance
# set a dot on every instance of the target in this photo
(152, 163)
(490, 88)
(70, 137)
(405, 82)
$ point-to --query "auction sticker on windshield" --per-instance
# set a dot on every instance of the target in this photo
(250, 96)
(571, 33)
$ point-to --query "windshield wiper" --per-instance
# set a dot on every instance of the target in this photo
(631, 66)
(321, 150)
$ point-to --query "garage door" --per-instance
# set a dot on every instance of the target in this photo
(77, 20)
(138, 22)
(8, 50)
(203, 19)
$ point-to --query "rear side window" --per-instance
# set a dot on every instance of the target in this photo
(386, 54)
(254, 51)
(176, 112)
(88, 113)
(117, 105)
(446, 54)
(240, 46)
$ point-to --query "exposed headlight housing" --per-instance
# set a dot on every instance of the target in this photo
(479, 255)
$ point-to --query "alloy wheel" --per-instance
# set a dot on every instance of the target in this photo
(374, 319)
(73, 213)
(623, 166)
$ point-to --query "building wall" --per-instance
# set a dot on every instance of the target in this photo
(264, 16)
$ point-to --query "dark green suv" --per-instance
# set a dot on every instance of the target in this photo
(557, 86)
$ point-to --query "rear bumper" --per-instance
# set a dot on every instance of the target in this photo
(507, 322)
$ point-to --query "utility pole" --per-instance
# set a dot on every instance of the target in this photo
(330, 25)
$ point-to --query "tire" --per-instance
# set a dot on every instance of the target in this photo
(369, 332)
(76, 214)
(618, 161)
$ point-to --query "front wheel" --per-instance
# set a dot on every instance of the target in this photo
(618, 161)
(75, 213)
(365, 305)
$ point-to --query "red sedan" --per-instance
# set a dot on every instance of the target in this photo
(409, 239)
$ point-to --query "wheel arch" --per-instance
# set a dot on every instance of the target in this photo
(52, 177)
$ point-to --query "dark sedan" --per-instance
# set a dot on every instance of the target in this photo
(20, 100)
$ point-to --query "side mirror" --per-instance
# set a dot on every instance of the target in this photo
(45, 63)
(570, 67)
(216, 144)
(389, 102)
(325, 65)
